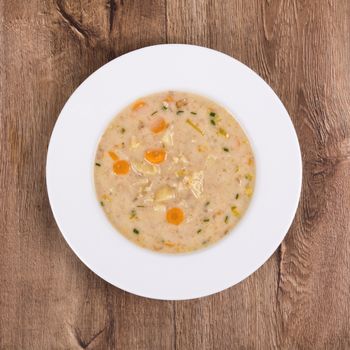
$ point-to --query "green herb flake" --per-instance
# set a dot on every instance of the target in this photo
(212, 114)
(194, 113)
(179, 112)
(102, 204)
(194, 126)
(226, 149)
(154, 112)
(237, 195)
(164, 108)
(122, 130)
(226, 219)
(133, 214)
(223, 133)
(140, 206)
(207, 203)
(235, 211)
(249, 177)
(136, 231)
(206, 220)
(97, 164)
(212, 122)
(199, 231)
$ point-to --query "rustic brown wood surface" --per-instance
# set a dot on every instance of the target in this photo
(300, 298)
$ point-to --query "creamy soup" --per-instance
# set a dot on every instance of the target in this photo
(174, 172)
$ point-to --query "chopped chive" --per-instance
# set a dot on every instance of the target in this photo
(164, 108)
(133, 214)
(194, 126)
(122, 130)
(235, 212)
(226, 219)
(207, 203)
(154, 112)
(179, 112)
(206, 220)
(140, 206)
(237, 195)
(199, 231)
(194, 113)
(212, 121)
(226, 149)
(97, 164)
(102, 204)
(212, 114)
(136, 231)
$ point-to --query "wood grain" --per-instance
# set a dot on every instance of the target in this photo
(299, 299)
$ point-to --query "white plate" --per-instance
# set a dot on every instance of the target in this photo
(70, 165)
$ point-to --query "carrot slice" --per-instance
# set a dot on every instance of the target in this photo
(155, 156)
(159, 125)
(113, 155)
(175, 216)
(169, 98)
(137, 105)
(121, 167)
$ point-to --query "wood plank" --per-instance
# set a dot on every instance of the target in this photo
(301, 49)
(245, 316)
(48, 298)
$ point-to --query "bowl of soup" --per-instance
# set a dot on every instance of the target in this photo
(174, 183)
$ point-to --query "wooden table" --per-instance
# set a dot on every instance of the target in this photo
(300, 299)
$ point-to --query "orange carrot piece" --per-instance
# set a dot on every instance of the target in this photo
(121, 167)
(155, 156)
(113, 155)
(175, 216)
(137, 105)
(159, 125)
(169, 98)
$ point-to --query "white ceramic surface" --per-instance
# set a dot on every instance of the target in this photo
(70, 165)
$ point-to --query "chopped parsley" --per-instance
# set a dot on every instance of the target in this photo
(212, 114)
(237, 195)
(136, 231)
(97, 164)
(226, 219)
(199, 231)
(226, 149)
(207, 203)
(206, 220)
(164, 108)
(194, 113)
(102, 204)
(133, 214)
(122, 130)
(179, 112)
(213, 122)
